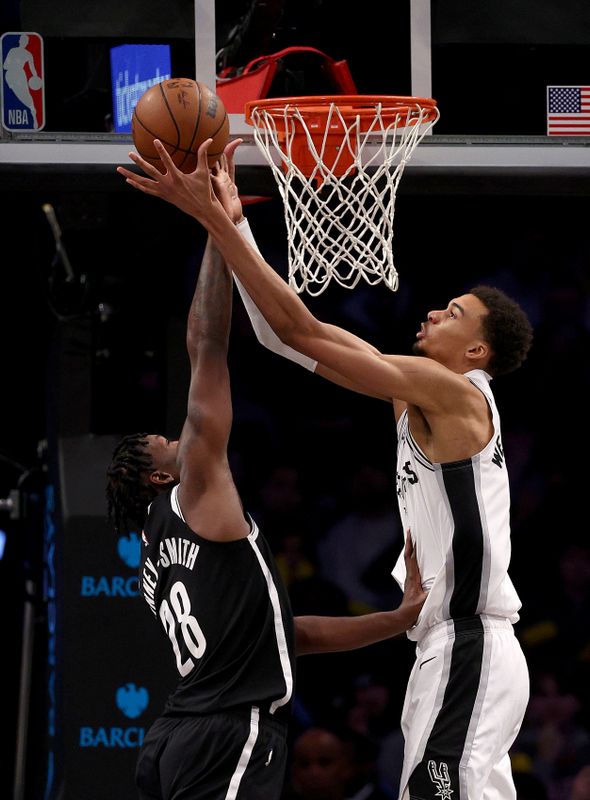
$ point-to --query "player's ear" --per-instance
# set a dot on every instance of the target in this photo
(160, 478)
(478, 351)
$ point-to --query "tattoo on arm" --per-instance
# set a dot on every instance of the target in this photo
(211, 307)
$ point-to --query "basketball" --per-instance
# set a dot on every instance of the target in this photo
(181, 113)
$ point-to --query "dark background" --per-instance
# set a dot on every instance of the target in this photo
(308, 455)
(105, 355)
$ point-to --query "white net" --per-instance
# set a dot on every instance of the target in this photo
(339, 198)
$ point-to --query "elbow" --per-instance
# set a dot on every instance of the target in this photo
(200, 337)
(285, 328)
(301, 336)
(192, 346)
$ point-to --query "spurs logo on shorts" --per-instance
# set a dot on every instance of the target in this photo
(440, 777)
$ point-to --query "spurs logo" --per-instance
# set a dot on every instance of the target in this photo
(440, 777)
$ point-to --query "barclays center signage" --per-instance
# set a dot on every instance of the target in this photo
(111, 586)
(131, 700)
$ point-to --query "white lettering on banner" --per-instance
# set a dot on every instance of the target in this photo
(111, 737)
(127, 94)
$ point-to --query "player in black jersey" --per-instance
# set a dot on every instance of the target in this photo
(209, 576)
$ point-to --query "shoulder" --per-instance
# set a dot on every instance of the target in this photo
(424, 367)
(480, 378)
(431, 386)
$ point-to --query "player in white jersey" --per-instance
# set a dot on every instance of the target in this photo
(468, 690)
(459, 720)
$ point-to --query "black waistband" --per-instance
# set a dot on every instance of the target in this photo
(468, 624)
(243, 712)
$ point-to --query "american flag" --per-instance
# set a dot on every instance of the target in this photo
(568, 110)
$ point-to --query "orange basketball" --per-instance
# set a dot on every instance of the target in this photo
(181, 113)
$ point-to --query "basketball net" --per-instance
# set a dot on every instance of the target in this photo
(341, 161)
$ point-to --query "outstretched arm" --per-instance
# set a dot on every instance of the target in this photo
(207, 494)
(226, 191)
(419, 381)
(209, 411)
(335, 634)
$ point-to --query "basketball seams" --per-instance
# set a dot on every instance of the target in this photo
(198, 119)
(214, 134)
(162, 114)
(167, 104)
(155, 136)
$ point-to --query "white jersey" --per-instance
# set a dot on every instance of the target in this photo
(459, 516)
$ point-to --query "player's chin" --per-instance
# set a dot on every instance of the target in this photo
(418, 348)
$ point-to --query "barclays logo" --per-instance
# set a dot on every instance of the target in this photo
(132, 701)
(129, 549)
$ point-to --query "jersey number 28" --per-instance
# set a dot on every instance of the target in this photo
(176, 617)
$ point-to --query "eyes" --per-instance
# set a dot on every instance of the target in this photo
(452, 311)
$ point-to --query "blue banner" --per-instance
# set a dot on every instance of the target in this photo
(134, 68)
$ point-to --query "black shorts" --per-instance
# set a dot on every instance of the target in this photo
(233, 756)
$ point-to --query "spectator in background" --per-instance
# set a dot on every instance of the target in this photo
(529, 786)
(580, 789)
(356, 551)
(364, 783)
(369, 714)
(552, 736)
(330, 764)
(320, 767)
(554, 631)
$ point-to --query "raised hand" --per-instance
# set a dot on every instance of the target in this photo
(191, 193)
(223, 181)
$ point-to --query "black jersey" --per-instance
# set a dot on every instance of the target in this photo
(226, 612)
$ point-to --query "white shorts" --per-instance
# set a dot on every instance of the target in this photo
(465, 702)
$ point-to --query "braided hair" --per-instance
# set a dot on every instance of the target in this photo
(128, 494)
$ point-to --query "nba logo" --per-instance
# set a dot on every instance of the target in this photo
(23, 97)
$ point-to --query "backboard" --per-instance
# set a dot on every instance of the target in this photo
(487, 66)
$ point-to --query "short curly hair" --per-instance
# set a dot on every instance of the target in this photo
(128, 493)
(506, 328)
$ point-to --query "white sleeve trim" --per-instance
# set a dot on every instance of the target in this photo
(264, 333)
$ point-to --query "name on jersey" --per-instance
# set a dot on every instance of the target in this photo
(404, 478)
(173, 551)
(498, 457)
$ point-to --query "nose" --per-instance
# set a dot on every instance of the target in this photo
(433, 316)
